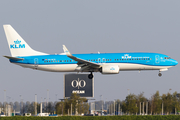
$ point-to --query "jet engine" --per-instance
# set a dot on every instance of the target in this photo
(109, 69)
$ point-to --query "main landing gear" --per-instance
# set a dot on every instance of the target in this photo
(160, 74)
(90, 76)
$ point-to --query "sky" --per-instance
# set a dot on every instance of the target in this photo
(90, 26)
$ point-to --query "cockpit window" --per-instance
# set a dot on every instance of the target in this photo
(167, 58)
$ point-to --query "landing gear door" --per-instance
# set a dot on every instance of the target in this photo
(36, 63)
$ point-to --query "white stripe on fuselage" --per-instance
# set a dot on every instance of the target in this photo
(72, 67)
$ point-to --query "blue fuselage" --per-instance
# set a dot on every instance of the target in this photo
(151, 60)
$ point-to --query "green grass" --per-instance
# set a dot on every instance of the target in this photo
(130, 117)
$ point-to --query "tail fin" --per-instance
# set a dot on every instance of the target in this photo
(17, 46)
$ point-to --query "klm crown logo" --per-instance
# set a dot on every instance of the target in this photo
(17, 44)
(126, 56)
(112, 68)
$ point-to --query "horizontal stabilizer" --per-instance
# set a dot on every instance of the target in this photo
(14, 58)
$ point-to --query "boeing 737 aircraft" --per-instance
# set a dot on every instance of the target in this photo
(106, 63)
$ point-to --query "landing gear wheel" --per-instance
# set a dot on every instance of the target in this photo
(90, 76)
(160, 74)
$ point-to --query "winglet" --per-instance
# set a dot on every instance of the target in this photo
(66, 51)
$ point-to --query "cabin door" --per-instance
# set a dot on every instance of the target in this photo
(157, 59)
(101, 60)
(36, 63)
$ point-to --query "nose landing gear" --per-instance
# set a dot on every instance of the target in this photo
(160, 74)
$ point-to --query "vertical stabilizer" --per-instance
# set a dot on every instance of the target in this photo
(17, 46)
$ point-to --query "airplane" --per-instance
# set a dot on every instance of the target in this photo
(106, 63)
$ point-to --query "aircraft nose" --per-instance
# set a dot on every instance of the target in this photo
(175, 62)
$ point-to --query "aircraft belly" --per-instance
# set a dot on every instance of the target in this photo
(128, 66)
(72, 67)
(66, 68)
(52, 68)
(58, 68)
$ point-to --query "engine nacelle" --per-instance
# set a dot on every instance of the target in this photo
(109, 69)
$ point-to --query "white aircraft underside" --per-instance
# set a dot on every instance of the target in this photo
(73, 67)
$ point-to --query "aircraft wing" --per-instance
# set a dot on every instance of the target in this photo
(84, 64)
(13, 58)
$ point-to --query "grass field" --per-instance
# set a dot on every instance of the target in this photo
(131, 117)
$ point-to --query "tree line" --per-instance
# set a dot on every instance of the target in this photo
(133, 104)
(75, 105)
(29, 107)
(138, 104)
